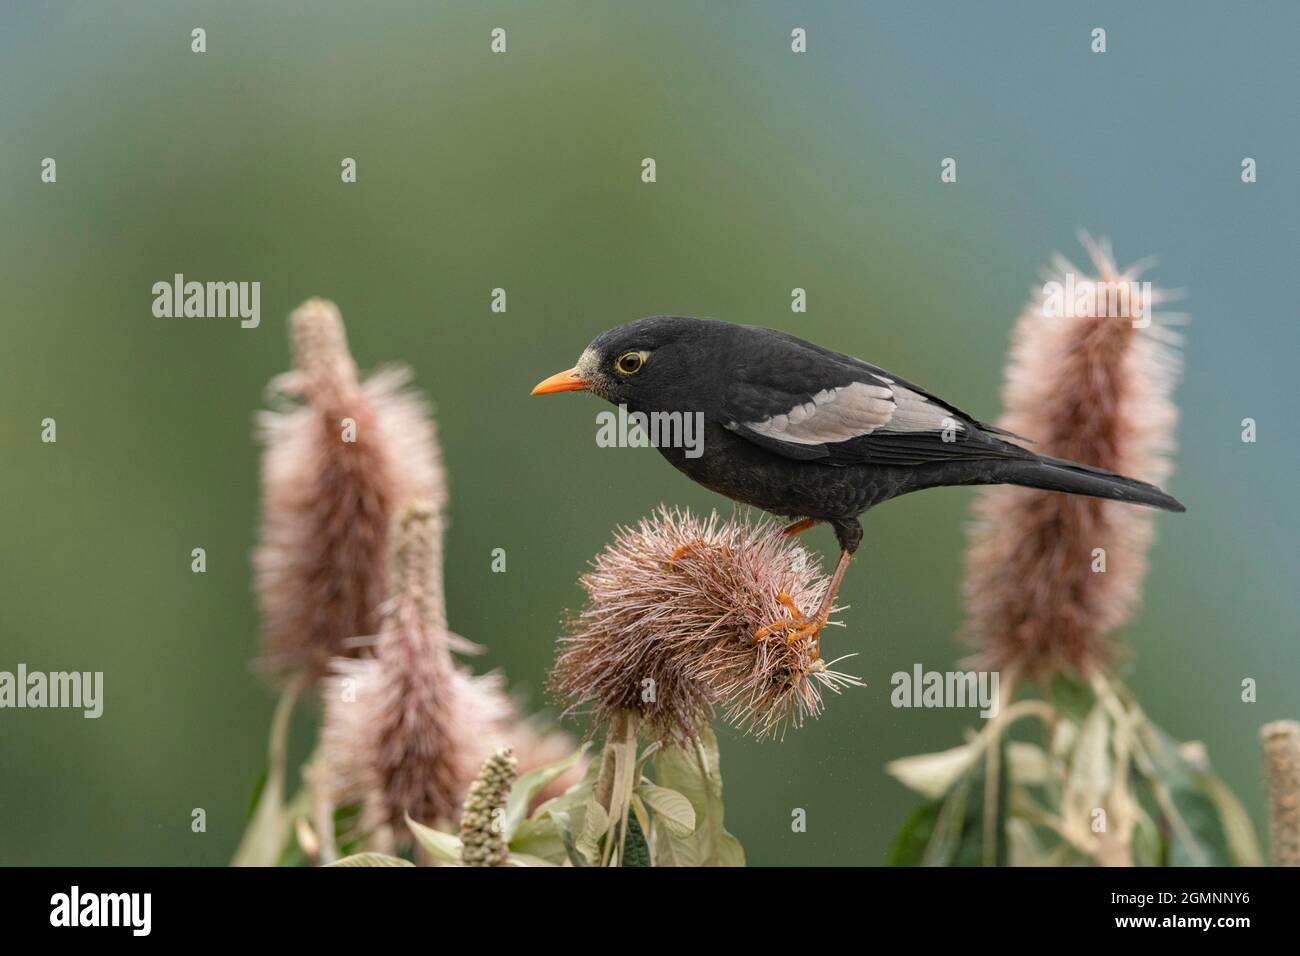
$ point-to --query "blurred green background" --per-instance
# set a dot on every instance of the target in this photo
(775, 170)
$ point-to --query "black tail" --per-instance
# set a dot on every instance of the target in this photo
(1072, 478)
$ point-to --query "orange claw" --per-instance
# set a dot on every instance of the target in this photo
(790, 606)
(797, 627)
(672, 558)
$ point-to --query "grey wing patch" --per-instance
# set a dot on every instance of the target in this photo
(851, 411)
(914, 412)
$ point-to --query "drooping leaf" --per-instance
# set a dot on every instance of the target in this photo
(1089, 776)
(1195, 831)
(259, 787)
(553, 829)
(1024, 848)
(671, 808)
(296, 812)
(594, 827)
(984, 821)
(541, 837)
(443, 847)
(966, 821)
(945, 838)
(1237, 826)
(908, 848)
(571, 844)
(694, 772)
(347, 828)
(528, 785)
(933, 774)
(269, 829)
(1148, 847)
(1028, 764)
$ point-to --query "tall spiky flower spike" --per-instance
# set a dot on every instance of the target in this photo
(336, 465)
(669, 630)
(1049, 577)
(405, 732)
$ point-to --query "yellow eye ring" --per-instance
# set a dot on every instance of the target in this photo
(629, 363)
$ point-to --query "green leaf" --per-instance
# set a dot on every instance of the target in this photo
(570, 844)
(671, 808)
(1024, 848)
(637, 852)
(268, 830)
(1028, 764)
(933, 774)
(595, 825)
(444, 847)
(1148, 847)
(953, 829)
(1198, 837)
(971, 849)
(694, 772)
(908, 848)
(1090, 771)
(530, 784)
(1236, 822)
(575, 798)
(347, 828)
(541, 837)
(371, 859)
(551, 832)
(298, 808)
(1072, 698)
(259, 787)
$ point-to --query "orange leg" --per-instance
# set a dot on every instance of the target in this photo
(798, 627)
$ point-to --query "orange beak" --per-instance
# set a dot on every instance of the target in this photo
(569, 381)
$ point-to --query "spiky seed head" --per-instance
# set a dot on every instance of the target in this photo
(669, 628)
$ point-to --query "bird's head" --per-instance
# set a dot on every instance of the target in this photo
(649, 363)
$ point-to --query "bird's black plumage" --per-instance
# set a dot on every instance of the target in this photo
(804, 432)
(799, 430)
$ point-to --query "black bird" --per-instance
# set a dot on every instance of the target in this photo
(803, 432)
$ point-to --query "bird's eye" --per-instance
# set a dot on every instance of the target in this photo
(629, 363)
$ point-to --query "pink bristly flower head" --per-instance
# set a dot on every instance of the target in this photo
(406, 731)
(669, 629)
(1050, 577)
(337, 462)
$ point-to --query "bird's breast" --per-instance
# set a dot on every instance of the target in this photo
(740, 470)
